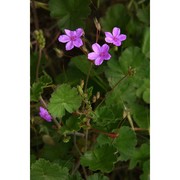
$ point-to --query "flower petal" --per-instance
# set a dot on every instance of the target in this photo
(96, 48)
(68, 32)
(122, 37)
(69, 45)
(78, 42)
(79, 32)
(117, 43)
(105, 48)
(108, 34)
(116, 31)
(98, 61)
(63, 38)
(109, 40)
(107, 56)
(92, 55)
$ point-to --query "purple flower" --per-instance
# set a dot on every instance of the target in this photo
(72, 38)
(100, 53)
(45, 114)
(115, 38)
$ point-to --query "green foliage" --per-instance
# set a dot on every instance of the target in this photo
(140, 155)
(146, 171)
(103, 116)
(97, 176)
(141, 115)
(64, 98)
(102, 158)
(43, 170)
(70, 14)
(53, 152)
(37, 87)
(116, 16)
(76, 176)
(125, 143)
(146, 42)
(103, 139)
(94, 134)
(144, 15)
(72, 124)
(125, 92)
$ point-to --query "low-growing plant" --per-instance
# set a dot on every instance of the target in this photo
(90, 90)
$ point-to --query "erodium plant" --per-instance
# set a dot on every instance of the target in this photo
(91, 119)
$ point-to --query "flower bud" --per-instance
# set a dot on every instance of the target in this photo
(59, 53)
(97, 24)
(98, 95)
(82, 83)
(94, 99)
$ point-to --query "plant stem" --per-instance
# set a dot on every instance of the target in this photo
(87, 78)
(84, 170)
(38, 63)
(119, 82)
(86, 139)
(36, 23)
(54, 120)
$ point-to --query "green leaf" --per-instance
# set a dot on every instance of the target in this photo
(32, 159)
(114, 102)
(102, 158)
(45, 79)
(140, 155)
(146, 42)
(141, 115)
(57, 151)
(82, 63)
(146, 171)
(72, 124)
(97, 176)
(103, 139)
(76, 176)
(64, 98)
(146, 96)
(68, 76)
(144, 86)
(118, 68)
(37, 87)
(144, 15)
(125, 143)
(43, 170)
(36, 91)
(70, 14)
(126, 91)
(116, 16)
(103, 116)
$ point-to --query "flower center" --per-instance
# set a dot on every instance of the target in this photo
(102, 54)
(73, 38)
(114, 38)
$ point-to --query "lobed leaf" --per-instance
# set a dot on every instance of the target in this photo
(125, 143)
(70, 14)
(64, 98)
(102, 158)
(97, 176)
(140, 155)
(43, 170)
(116, 16)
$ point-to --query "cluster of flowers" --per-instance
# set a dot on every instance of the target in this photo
(73, 39)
